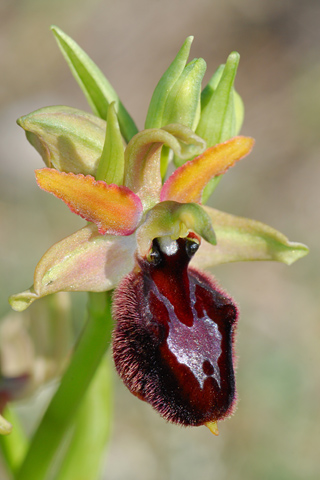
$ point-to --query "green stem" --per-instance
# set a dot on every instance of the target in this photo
(91, 347)
(14, 445)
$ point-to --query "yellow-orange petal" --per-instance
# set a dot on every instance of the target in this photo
(186, 184)
(115, 210)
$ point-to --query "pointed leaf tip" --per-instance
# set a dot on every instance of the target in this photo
(116, 210)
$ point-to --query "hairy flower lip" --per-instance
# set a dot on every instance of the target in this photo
(147, 348)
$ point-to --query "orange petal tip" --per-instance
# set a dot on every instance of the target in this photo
(186, 184)
(116, 210)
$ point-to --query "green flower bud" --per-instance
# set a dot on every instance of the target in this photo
(176, 98)
(68, 139)
(183, 102)
(222, 110)
(220, 119)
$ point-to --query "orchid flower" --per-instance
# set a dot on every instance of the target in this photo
(149, 238)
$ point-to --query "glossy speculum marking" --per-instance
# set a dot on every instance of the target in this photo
(173, 339)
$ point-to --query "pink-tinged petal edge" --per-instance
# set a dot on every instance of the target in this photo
(186, 184)
(116, 210)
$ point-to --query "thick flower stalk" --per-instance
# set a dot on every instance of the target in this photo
(148, 236)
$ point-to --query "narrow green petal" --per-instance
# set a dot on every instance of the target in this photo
(243, 239)
(158, 101)
(68, 139)
(93, 83)
(142, 158)
(111, 165)
(85, 261)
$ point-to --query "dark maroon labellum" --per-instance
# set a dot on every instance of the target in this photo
(173, 340)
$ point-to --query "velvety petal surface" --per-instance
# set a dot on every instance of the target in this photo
(84, 261)
(243, 239)
(114, 209)
(186, 184)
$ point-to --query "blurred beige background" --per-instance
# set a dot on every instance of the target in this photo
(275, 433)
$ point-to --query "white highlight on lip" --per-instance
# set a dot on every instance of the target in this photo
(192, 346)
(167, 245)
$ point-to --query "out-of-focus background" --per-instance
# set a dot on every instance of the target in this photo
(275, 433)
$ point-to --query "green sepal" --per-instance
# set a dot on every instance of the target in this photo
(162, 91)
(111, 165)
(93, 83)
(82, 262)
(68, 139)
(243, 239)
(174, 219)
